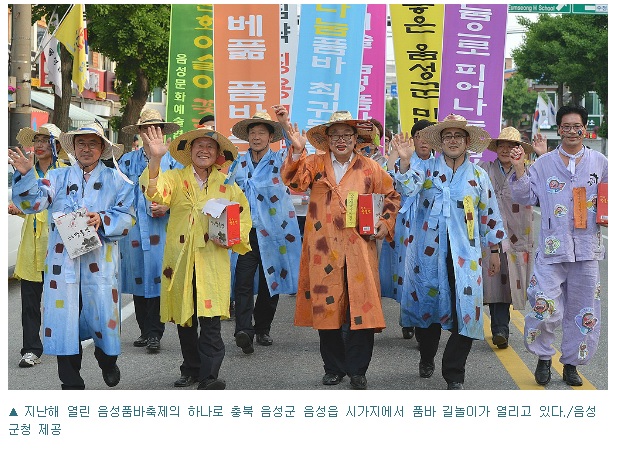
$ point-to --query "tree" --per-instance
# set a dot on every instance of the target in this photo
(571, 50)
(136, 37)
(517, 100)
(392, 119)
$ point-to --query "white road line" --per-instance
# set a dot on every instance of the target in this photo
(539, 213)
(125, 313)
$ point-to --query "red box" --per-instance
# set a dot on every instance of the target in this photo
(370, 208)
(602, 206)
(225, 230)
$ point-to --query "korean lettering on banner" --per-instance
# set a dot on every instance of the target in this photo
(473, 62)
(417, 41)
(373, 68)
(191, 66)
(331, 46)
(248, 69)
(289, 42)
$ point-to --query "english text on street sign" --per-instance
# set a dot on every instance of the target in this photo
(540, 8)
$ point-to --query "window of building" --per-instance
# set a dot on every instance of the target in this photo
(156, 96)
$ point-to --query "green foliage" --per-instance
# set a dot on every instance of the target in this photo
(517, 100)
(392, 118)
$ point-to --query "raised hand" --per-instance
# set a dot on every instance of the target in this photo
(297, 138)
(22, 162)
(402, 145)
(282, 115)
(154, 145)
(540, 144)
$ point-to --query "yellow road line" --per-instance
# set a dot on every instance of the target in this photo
(516, 368)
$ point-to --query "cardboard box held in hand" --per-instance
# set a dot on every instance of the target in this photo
(370, 210)
(224, 222)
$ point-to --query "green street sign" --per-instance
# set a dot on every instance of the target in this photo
(540, 8)
(589, 9)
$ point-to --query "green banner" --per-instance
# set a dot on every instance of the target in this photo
(190, 94)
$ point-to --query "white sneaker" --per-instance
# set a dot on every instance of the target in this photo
(29, 360)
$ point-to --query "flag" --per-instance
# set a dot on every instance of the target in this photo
(52, 58)
(544, 116)
(72, 33)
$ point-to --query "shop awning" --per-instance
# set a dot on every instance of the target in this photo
(77, 115)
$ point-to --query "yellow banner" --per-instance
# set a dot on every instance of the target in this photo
(351, 209)
(417, 44)
(72, 33)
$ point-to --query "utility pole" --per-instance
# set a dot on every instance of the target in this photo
(21, 68)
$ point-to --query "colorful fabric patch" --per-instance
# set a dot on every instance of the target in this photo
(560, 210)
(583, 350)
(544, 306)
(592, 204)
(533, 281)
(598, 291)
(532, 335)
(554, 185)
(586, 320)
(551, 245)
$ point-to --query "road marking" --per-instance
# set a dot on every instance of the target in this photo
(516, 368)
(125, 313)
(540, 214)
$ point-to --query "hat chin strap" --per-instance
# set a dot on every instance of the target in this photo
(453, 159)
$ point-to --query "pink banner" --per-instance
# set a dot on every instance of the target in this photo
(472, 66)
(373, 67)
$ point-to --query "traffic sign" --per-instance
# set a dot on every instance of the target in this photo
(590, 9)
(540, 8)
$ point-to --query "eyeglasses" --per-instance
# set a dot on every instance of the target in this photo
(459, 137)
(568, 128)
(336, 138)
(89, 145)
(40, 140)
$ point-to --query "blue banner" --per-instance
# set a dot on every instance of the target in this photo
(328, 63)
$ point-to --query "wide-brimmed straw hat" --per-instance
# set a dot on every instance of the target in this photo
(180, 147)
(151, 117)
(479, 136)
(366, 131)
(26, 137)
(241, 129)
(513, 135)
(94, 128)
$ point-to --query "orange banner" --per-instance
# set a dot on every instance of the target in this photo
(247, 64)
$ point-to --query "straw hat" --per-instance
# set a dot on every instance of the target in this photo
(66, 140)
(151, 117)
(26, 137)
(180, 147)
(513, 135)
(367, 131)
(479, 136)
(240, 129)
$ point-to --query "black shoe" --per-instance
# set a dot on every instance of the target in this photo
(570, 375)
(153, 344)
(426, 369)
(408, 332)
(244, 342)
(264, 339)
(332, 379)
(112, 376)
(500, 340)
(185, 380)
(140, 341)
(358, 382)
(212, 384)
(542, 371)
(455, 386)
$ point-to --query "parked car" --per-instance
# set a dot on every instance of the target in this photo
(14, 227)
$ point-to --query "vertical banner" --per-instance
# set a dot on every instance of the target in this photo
(329, 59)
(472, 68)
(288, 46)
(417, 45)
(248, 64)
(374, 65)
(190, 66)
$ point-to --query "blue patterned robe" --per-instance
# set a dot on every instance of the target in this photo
(274, 218)
(94, 273)
(141, 250)
(426, 297)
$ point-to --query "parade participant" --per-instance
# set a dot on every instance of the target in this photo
(508, 286)
(142, 249)
(339, 287)
(393, 256)
(208, 121)
(274, 237)
(565, 287)
(29, 268)
(457, 214)
(195, 281)
(80, 295)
